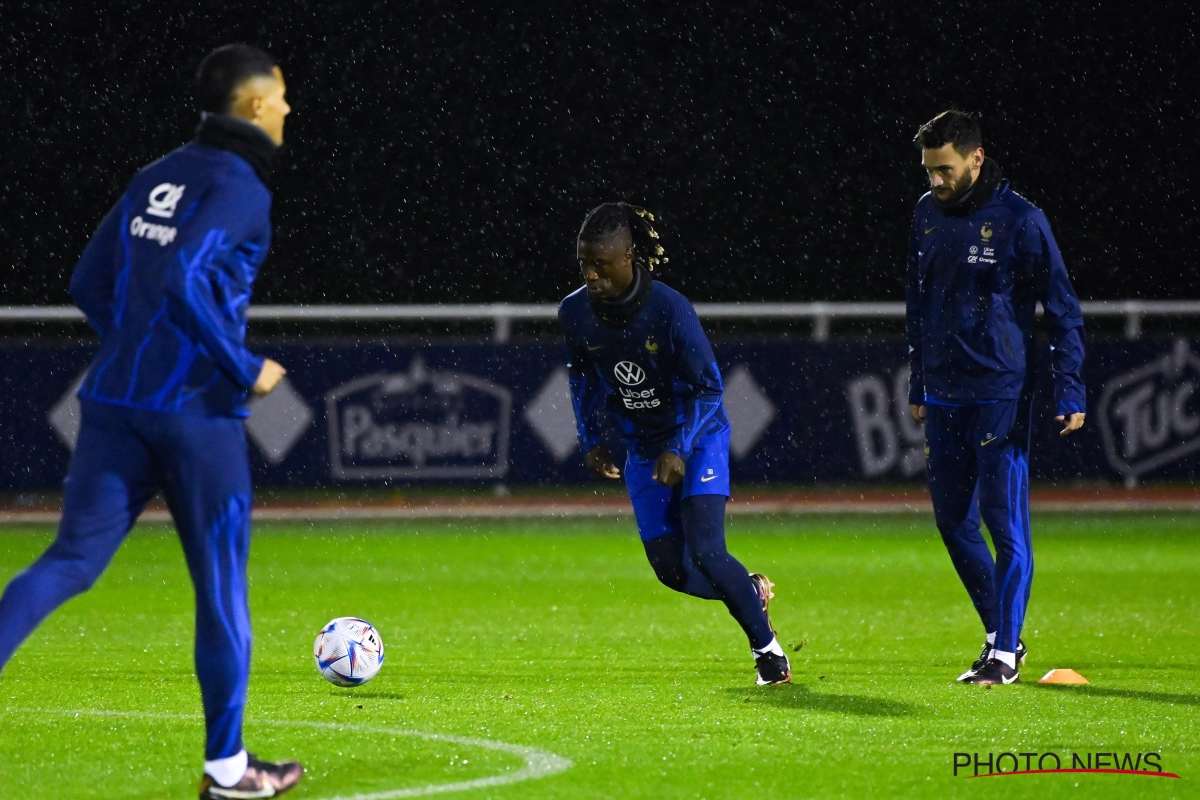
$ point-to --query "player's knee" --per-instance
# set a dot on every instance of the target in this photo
(710, 551)
(76, 576)
(670, 576)
(958, 531)
(666, 554)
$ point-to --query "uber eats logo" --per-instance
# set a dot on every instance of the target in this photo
(631, 374)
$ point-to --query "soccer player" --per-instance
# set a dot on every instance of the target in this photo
(636, 346)
(165, 282)
(980, 257)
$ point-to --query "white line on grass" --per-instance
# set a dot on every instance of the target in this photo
(538, 763)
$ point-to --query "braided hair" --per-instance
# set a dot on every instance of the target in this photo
(610, 218)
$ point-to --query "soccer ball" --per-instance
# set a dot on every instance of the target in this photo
(348, 651)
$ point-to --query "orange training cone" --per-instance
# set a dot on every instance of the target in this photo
(1063, 676)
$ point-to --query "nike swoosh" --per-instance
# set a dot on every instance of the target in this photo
(986, 442)
(1006, 681)
(709, 478)
(597, 347)
(931, 230)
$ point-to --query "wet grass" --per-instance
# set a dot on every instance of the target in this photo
(554, 634)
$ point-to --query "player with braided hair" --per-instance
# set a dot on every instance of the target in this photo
(637, 346)
(612, 217)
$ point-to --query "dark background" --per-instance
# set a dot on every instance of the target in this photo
(448, 151)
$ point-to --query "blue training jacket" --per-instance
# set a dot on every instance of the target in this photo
(166, 280)
(657, 374)
(973, 282)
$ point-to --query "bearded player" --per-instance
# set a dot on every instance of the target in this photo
(165, 281)
(980, 258)
(636, 347)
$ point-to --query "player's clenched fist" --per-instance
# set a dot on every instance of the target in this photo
(269, 376)
(599, 462)
(669, 468)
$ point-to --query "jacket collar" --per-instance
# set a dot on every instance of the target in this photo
(240, 138)
(978, 195)
(618, 312)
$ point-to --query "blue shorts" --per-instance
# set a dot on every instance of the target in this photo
(655, 506)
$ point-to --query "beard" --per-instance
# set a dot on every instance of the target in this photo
(962, 186)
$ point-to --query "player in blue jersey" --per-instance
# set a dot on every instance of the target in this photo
(165, 281)
(636, 347)
(980, 258)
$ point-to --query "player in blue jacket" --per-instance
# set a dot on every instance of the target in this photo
(980, 258)
(636, 347)
(165, 281)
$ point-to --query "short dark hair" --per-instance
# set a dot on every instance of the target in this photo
(951, 127)
(610, 218)
(225, 69)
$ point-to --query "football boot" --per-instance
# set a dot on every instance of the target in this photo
(1022, 651)
(995, 671)
(772, 669)
(262, 779)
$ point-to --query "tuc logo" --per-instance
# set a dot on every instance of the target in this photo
(1150, 416)
(419, 425)
(163, 199)
(629, 373)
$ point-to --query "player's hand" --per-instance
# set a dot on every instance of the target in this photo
(599, 462)
(918, 413)
(669, 468)
(269, 377)
(1071, 423)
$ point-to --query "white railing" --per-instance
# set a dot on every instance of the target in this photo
(502, 315)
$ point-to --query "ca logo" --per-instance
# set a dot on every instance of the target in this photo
(164, 198)
(629, 373)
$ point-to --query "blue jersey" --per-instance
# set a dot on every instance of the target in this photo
(656, 374)
(166, 280)
(973, 284)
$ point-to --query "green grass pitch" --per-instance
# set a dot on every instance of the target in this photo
(554, 635)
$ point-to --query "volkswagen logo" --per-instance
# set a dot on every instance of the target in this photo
(629, 373)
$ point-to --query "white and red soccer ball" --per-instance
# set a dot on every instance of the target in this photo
(348, 651)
